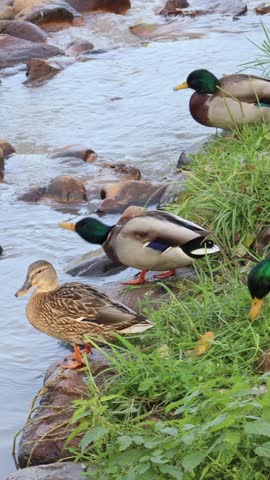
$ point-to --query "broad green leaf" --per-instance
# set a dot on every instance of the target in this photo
(124, 442)
(263, 450)
(92, 436)
(174, 472)
(232, 437)
(192, 460)
(258, 427)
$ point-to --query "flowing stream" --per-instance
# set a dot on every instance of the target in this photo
(119, 103)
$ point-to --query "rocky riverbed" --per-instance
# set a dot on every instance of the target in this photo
(87, 103)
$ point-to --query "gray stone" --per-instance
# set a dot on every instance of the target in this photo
(54, 471)
(16, 50)
(174, 190)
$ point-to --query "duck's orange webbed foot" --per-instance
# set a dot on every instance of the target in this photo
(168, 274)
(75, 360)
(137, 281)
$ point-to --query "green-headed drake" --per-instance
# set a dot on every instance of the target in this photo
(151, 240)
(259, 286)
(228, 101)
(72, 311)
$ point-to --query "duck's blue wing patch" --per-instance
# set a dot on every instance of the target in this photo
(262, 104)
(158, 245)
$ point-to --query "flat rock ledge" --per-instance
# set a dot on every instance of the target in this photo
(55, 471)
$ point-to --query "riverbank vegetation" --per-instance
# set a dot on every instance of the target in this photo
(169, 413)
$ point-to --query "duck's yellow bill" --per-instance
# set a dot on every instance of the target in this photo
(181, 86)
(256, 306)
(24, 289)
(68, 226)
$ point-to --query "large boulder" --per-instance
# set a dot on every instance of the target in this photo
(118, 196)
(54, 471)
(16, 50)
(44, 436)
(24, 30)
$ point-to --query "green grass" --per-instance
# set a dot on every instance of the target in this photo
(167, 413)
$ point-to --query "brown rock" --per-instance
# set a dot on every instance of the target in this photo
(62, 189)
(173, 7)
(45, 434)
(15, 50)
(24, 30)
(99, 266)
(121, 169)
(39, 70)
(57, 13)
(66, 189)
(263, 8)
(74, 151)
(115, 6)
(118, 196)
(7, 148)
(203, 7)
(170, 30)
(79, 46)
(7, 13)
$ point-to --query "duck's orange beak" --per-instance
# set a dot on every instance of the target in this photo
(68, 226)
(181, 86)
(255, 309)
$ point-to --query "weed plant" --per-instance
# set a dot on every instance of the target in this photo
(167, 413)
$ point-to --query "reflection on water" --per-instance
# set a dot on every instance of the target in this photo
(146, 125)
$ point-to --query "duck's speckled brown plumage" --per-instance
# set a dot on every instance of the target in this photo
(73, 310)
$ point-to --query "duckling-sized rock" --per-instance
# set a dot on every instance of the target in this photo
(39, 70)
(7, 148)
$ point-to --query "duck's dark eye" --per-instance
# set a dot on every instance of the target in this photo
(209, 243)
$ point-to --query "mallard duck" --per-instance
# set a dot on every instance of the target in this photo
(73, 310)
(259, 286)
(151, 240)
(229, 101)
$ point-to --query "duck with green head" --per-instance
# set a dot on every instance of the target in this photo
(259, 286)
(149, 240)
(229, 101)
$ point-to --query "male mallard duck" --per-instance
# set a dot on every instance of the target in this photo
(73, 310)
(259, 286)
(229, 101)
(151, 240)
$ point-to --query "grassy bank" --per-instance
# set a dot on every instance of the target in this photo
(169, 413)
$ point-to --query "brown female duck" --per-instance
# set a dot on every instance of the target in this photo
(72, 311)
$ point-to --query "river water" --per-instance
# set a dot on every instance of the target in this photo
(147, 126)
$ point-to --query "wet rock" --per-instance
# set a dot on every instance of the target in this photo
(114, 6)
(7, 148)
(79, 46)
(154, 294)
(1, 250)
(263, 8)
(174, 190)
(24, 30)
(39, 70)
(172, 7)
(186, 155)
(2, 168)
(121, 169)
(62, 189)
(54, 471)
(74, 151)
(263, 240)
(202, 7)
(16, 50)
(170, 30)
(118, 196)
(100, 266)
(58, 13)
(44, 436)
